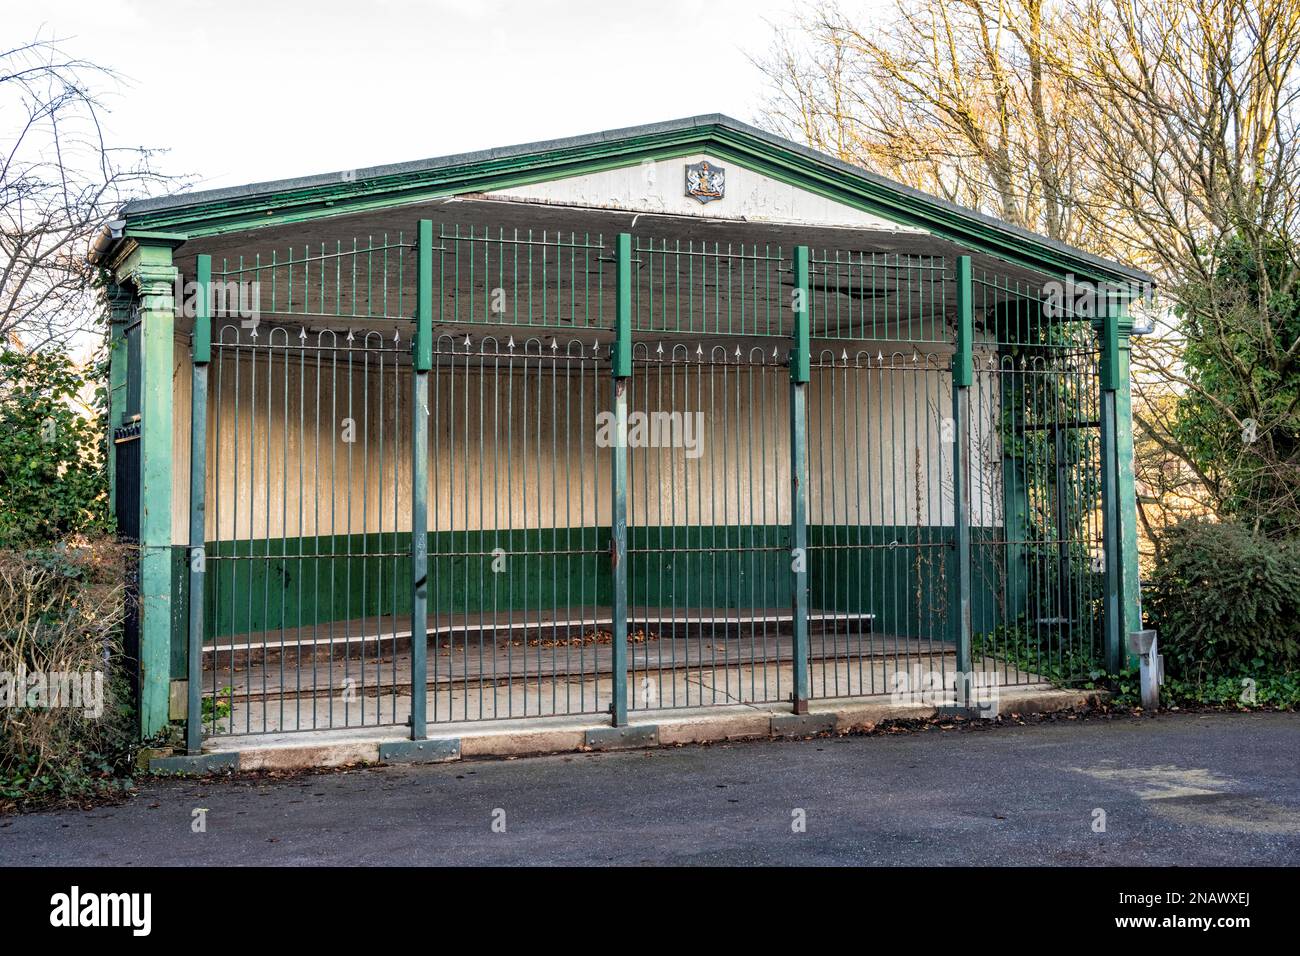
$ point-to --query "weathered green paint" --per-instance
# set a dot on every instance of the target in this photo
(1126, 487)
(1122, 594)
(724, 566)
(1110, 369)
(903, 575)
(621, 737)
(424, 297)
(180, 646)
(420, 482)
(724, 139)
(618, 555)
(420, 750)
(898, 573)
(195, 765)
(621, 350)
(801, 300)
(117, 300)
(621, 368)
(201, 354)
(799, 376)
(962, 377)
(201, 339)
(267, 584)
(148, 267)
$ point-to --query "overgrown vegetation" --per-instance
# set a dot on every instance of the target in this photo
(1225, 599)
(65, 729)
(1033, 651)
(61, 611)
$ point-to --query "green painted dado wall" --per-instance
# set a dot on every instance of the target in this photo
(901, 574)
(904, 575)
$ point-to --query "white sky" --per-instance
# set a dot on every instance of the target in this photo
(247, 90)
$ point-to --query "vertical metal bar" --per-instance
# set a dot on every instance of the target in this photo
(621, 361)
(201, 355)
(799, 376)
(423, 354)
(962, 376)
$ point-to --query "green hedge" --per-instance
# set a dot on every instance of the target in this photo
(1226, 602)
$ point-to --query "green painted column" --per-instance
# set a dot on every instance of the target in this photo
(1130, 572)
(200, 356)
(963, 376)
(800, 373)
(149, 268)
(1122, 600)
(423, 362)
(621, 366)
(117, 307)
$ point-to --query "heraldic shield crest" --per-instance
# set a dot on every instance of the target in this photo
(705, 181)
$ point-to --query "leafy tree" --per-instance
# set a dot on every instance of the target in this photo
(52, 476)
(1240, 423)
(1163, 134)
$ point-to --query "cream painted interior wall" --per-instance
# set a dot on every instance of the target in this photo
(517, 448)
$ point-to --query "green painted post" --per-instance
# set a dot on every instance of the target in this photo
(423, 362)
(621, 366)
(118, 302)
(201, 355)
(1126, 499)
(153, 274)
(800, 373)
(1122, 602)
(963, 375)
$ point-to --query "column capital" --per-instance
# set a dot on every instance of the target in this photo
(153, 279)
(145, 262)
(1114, 327)
(1113, 313)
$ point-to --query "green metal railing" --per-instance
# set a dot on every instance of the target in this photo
(490, 473)
(880, 297)
(308, 534)
(708, 288)
(708, 514)
(518, 530)
(359, 279)
(1036, 424)
(881, 517)
(531, 278)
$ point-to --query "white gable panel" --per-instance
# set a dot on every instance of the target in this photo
(659, 186)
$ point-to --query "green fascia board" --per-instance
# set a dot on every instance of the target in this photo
(316, 197)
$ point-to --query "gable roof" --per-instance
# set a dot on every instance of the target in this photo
(216, 211)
